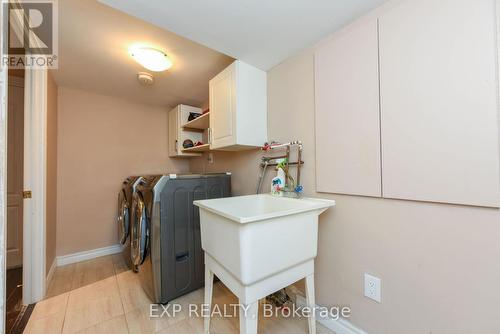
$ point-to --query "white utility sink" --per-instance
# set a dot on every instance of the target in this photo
(259, 244)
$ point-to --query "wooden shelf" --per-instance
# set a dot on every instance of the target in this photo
(200, 123)
(200, 148)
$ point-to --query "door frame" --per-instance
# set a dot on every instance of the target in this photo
(3, 173)
(34, 170)
(35, 165)
(35, 125)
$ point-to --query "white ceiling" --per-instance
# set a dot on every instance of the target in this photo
(259, 32)
(93, 55)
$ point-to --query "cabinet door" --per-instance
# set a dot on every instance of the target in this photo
(439, 112)
(347, 112)
(223, 108)
(173, 129)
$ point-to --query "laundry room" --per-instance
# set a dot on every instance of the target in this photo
(181, 167)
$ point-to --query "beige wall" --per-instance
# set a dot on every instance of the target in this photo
(438, 263)
(51, 191)
(101, 141)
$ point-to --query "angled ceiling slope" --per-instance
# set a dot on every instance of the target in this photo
(260, 32)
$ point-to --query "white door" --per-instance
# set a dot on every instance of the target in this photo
(223, 108)
(15, 144)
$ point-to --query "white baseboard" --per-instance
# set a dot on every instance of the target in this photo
(50, 274)
(88, 255)
(340, 326)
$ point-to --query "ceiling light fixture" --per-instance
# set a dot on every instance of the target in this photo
(150, 58)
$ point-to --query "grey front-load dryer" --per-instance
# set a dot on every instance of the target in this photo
(125, 215)
(166, 241)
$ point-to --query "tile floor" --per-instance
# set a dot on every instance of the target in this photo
(103, 296)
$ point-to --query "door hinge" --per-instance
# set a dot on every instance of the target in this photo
(27, 194)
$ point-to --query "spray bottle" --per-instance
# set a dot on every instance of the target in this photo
(278, 182)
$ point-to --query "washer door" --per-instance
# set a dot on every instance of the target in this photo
(123, 217)
(139, 231)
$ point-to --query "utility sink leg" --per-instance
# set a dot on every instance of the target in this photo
(311, 303)
(249, 318)
(209, 285)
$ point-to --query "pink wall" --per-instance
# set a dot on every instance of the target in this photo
(101, 141)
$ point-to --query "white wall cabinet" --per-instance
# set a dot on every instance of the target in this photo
(438, 86)
(177, 117)
(237, 119)
(347, 117)
(238, 108)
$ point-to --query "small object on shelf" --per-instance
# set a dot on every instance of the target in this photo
(199, 148)
(198, 143)
(206, 111)
(193, 115)
(187, 143)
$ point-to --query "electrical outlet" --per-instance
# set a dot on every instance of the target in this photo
(210, 158)
(372, 287)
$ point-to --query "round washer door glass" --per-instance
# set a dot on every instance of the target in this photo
(123, 217)
(139, 235)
